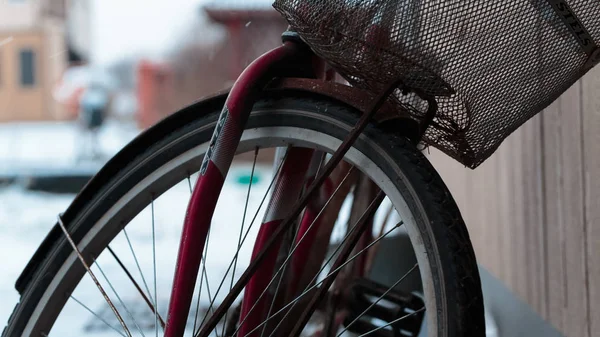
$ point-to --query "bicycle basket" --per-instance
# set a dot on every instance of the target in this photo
(491, 65)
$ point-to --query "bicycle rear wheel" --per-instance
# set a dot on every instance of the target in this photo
(155, 171)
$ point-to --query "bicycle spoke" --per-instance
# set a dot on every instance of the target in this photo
(96, 315)
(239, 245)
(119, 298)
(211, 300)
(392, 322)
(379, 299)
(330, 322)
(150, 305)
(296, 210)
(298, 243)
(279, 275)
(203, 273)
(190, 183)
(321, 163)
(308, 289)
(154, 268)
(89, 271)
(283, 268)
(138, 265)
(357, 231)
(201, 278)
(245, 235)
(371, 254)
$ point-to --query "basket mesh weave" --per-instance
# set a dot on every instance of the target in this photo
(491, 65)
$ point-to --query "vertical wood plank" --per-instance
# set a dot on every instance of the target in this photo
(555, 289)
(541, 229)
(494, 223)
(591, 169)
(510, 155)
(532, 213)
(527, 175)
(572, 190)
(515, 204)
(519, 203)
(541, 234)
(503, 210)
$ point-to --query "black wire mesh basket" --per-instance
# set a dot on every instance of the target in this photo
(489, 65)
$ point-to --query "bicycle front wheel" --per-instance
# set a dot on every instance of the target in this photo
(127, 222)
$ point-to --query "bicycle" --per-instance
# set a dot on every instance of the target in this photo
(309, 271)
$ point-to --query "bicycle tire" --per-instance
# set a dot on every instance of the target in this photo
(444, 236)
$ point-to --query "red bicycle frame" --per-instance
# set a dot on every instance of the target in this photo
(289, 59)
(288, 187)
(292, 59)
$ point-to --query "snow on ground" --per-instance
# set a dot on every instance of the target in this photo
(56, 144)
(26, 217)
(169, 211)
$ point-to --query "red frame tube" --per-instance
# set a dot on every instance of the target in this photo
(213, 171)
(288, 188)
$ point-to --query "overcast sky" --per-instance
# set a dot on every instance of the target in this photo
(125, 27)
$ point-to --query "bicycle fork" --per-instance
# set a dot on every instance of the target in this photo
(214, 168)
(286, 60)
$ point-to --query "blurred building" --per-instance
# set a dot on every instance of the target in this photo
(253, 27)
(77, 15)
(32, 58)
(200, 68)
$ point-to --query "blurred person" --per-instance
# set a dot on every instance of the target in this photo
(93, 110)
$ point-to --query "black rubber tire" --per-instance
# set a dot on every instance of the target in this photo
(454, 268)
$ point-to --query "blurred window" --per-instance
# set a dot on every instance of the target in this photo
(27, 62)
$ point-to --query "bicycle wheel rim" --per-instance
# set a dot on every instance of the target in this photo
(269, 136)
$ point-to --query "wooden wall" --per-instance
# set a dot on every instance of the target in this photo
(533, 209)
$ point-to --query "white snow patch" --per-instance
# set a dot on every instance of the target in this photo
(56, 144)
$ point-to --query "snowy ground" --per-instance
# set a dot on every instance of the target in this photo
(55, 144)
(25, 216)
(25, 219)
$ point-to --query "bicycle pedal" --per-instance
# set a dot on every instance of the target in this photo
(371, 306)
